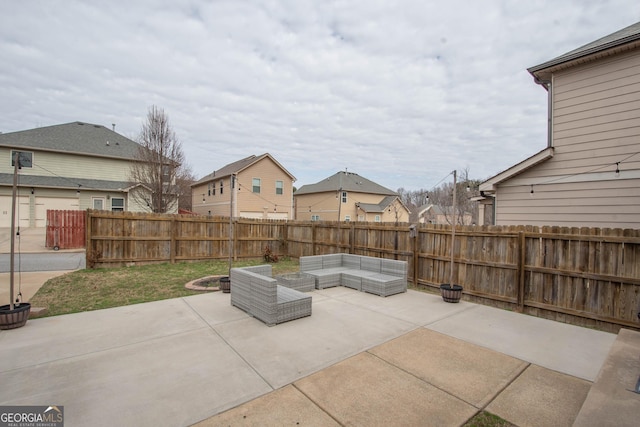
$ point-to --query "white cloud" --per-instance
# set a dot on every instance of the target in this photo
(400, 92)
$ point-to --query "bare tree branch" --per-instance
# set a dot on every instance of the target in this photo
(442, 196)
(158, 163)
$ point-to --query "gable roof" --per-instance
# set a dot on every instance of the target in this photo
(76, 138)
(436, 210)
(379, 207)
(490, 184)
(345, 181)
(238, 166)
(619, 40)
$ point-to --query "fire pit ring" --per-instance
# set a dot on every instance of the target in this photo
(205, 284)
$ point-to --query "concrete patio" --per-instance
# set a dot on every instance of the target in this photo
(409, 359)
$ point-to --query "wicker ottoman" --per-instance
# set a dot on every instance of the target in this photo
(302, 282)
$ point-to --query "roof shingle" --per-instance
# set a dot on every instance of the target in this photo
(347, 181)
(76, 137)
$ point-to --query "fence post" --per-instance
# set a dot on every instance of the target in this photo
(352, 237)
(285, 236)
(172, 243)
(88, 233)
(234, 231)
(521, 261)
(313, 239)
(416, 260)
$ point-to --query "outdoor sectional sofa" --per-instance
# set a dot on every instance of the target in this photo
(378, 276)
(254, 290)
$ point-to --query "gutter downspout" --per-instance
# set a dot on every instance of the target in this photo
(546, 84)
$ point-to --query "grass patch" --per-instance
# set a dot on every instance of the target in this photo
(487, 419)
(95, 289)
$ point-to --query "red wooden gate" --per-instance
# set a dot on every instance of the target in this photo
(66, 229)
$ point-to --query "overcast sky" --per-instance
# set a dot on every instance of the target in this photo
(400, 92)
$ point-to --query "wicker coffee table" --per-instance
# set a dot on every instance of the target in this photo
(302, 282)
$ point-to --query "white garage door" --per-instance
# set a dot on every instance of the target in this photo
(22, 211)
(53, 203)
(277, 215)
(252, 215)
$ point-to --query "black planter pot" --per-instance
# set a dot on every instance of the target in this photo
(225, 284)
(16, 318)
(451, 293)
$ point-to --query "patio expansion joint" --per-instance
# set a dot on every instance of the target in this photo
(102, 350)
(422, 379)
(526, 366)
(449, 315)
(344, 301)
(479, 408)
(318, 405)
(211, 328)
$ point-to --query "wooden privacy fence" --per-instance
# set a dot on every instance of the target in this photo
(584, 276)
(65, 229)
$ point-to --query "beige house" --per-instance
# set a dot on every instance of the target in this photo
(434, 214)
(589, 173)
(348, 197)
(254, 187)
(70, 166)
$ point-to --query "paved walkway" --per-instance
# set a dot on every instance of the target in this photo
(409, 359)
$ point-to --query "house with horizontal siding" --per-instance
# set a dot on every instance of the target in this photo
(69, 166)
(347, 196)
(435, 214)
(253, 187)
(589, 173)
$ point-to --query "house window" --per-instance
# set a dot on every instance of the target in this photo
(377, 219)
(344, 197)
(213, 188)
(209, 187)
(279, 187)
(347, 218)
(98, 203)
(26, 158)
(221, 186)
(256, 185)
(117, 204)
(315, 217)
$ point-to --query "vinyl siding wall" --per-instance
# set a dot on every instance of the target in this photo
(596, 123)
(70, 166)
(266, 204)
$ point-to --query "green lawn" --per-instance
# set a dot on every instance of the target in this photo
(95, 289)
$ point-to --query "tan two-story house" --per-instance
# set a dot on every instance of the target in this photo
(253, 187)
(67, 167)
(589, 173)
(347, 196)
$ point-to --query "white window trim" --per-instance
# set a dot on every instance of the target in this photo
(254, 186)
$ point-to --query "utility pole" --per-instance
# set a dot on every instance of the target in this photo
(453, 230)
(16, 165)
(231, 198)
(340, 197)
